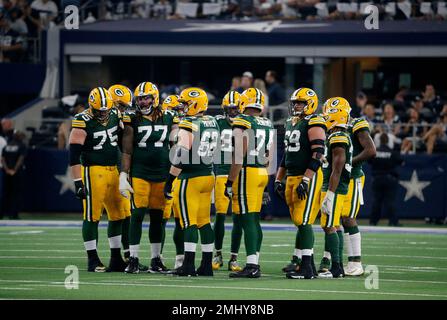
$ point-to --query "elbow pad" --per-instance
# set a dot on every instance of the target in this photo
(75, 154)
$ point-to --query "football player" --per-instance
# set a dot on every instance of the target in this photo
(363, 149)
(172, 103)
(192, 165)
(336, 177)
(304, 147)
(248, 176)
(122, 100)
(230, 108)
(93, 161)
(145, 165)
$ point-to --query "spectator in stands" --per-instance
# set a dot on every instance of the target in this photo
(276, 92)
(47, 11)
(246, 9)
(438, 133)
(31, 18)
(8, 5)
(388, 123)
(235, 83)
(7, 128)
(426, 113)
(64, 129)
(13, 157)
(17, 22)
(414, 130)
(288, 9)
(369, 113)
(399, 99)
(11, 42)
(385, 182)
(162, 9)
(260, 84)
(246, 81)
(431, 100)
(360, 102)
(267, 9)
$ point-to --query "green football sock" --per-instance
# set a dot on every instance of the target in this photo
(297, 239)
(163, 233)
(306, 237)
(250, 232)
(332, 245)
(260, 234)
(340, 245)
(125, 234)
(114, 228)
(178, 238)
(155, 226)
(136, 224)
(191, 234)
(206, 234)
(219, 230)
(89, 230)
(236, 233)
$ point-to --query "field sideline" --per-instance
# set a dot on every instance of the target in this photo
(412, 264)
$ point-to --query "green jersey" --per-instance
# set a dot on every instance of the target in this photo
(338, 139)
(223, 164)
(297, 145)
(357, 125)
(260, 139)
(205, 132)
(101, 143)
(150, 157)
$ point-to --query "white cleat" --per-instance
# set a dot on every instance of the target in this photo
(355, 270)
(325, 275)
(179, 261)
(348, 267)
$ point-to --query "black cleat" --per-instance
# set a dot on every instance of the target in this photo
(337, 271)
(314, 269)
(185, 271)
(116, 264)
(304, 272)
(95, 265)
(133, 266)
(157, 266)
(250, 271)
(293, 265)
(205, 271)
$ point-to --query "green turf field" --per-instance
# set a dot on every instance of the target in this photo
(33, 261)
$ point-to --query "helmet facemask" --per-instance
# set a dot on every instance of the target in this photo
(297, 107)
(101, 116)
(179, 110)
(231, 111)
(145, 104)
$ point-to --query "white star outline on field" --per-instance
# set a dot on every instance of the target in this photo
(267, 26)
(66, 181)
(414, 187)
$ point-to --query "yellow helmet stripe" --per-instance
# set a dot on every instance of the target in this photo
(103, 97)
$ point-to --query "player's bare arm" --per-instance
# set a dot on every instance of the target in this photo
(338, 162)
(369, 148)
(127, 148)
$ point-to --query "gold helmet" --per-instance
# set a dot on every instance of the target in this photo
(308, 97)
(230, 103)
(143, 92)
(172, 103)
(252, 98)
(336, 111)
(100, 102)
(194, 100)
(122, 96)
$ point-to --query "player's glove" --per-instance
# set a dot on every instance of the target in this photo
(303, 188)
(265, 198)
(229, 189)
(80, 190)
(124, 186)
(168, 187)
(328, 202)
(280, 189)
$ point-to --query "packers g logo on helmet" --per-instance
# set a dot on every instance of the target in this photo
(306, 95)
(252, 98)
(172, 103)
(100, 102)
(194, 100)
(122, 96)
(336, 112)
(143, 90)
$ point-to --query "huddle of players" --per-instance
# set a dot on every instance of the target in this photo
(324, 175)
(128, 163)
